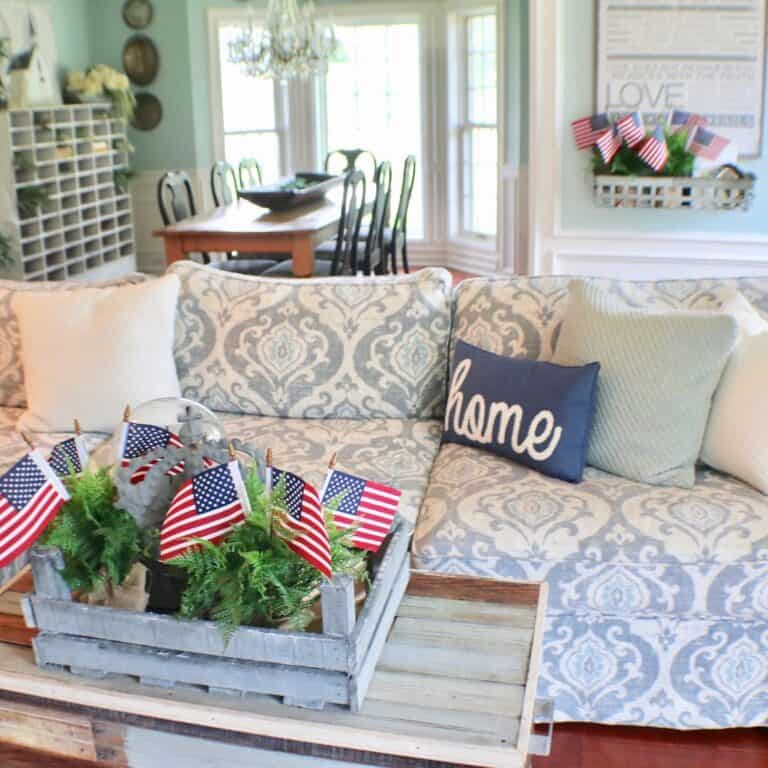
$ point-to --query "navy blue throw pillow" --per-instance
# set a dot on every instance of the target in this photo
(537, 414)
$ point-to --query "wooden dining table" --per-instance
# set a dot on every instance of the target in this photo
(247, 228)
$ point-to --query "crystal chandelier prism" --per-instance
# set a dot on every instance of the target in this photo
(292, 44)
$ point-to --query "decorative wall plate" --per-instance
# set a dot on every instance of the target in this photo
(138, 14)
(148, 112)
(141, 60)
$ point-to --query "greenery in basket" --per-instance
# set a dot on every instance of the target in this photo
(31, 199)
(252, 577)
(100, 542)
(628, 163)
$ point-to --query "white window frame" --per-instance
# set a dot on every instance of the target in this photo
(301, 124)
(423, 14)
(222, 17)
(463, 240)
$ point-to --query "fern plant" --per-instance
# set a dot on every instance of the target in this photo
(30, 199)
(253, 577)
(627, 162)
(100, 542)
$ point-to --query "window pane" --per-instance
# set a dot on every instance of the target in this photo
(262, 146)
(374, 101)
(248, 102)
(480, 181)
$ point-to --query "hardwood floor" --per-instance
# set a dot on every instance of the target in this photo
(582, 745)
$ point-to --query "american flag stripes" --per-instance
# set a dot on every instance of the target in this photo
(30, 497)
(631, 128)
(609, 144)
(654, 152)
(680, 120)
(141, 473)
(304, 520)
(69, 456)
(206, 507)
(705, 144)
(369, 506)
(587, 130)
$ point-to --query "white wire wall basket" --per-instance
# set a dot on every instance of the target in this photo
(673, 192)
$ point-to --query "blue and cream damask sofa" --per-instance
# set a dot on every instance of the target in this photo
(658, 610)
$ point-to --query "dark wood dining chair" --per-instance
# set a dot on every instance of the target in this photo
(397, 238)
(176, 201)
(249, 172)
(338, 256)
(223, 183)
(375, 253)
(346, 160)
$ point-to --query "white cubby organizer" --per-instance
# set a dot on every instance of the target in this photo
(85, 229)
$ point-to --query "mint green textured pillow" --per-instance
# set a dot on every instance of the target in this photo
(658, 373)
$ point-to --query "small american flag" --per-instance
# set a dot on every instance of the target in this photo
(30, 497)
(609, 144)
(206, 507)
(69, 456)
(631, 128)
(587, 130)
(705, 144)
(680, 120)
(654, 152)
(137, 439)
(369, 506)
(305, 520)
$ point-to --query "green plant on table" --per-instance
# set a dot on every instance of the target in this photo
(627, 162)
(100, 542)
(252, 577)
(31, 199)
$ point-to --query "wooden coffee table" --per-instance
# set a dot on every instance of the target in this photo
(455, 686)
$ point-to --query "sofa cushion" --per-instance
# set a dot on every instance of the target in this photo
(111, 347)
(12, 392)
(608, 544)
(659, 371)
(353, 348)
(521, 316)
(397, 452)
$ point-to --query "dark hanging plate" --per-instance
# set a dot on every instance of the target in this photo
(141, 60)
(138, 14)
(148, 112)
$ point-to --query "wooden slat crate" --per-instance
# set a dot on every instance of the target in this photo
(305, 669)
(455, 687)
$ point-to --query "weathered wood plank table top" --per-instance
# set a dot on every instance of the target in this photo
(455, 686)
(247, 228)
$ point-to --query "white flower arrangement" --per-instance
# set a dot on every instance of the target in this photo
(103, 80)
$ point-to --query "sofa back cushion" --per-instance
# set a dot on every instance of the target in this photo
(314, 348)
(521, 316)
(12, 393)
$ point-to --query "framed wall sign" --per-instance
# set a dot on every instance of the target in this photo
(706, 57)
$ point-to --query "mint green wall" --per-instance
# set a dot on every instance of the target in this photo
(578, 98)
(72, 27)
(172, 143)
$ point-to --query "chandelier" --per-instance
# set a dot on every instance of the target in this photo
(292, 43)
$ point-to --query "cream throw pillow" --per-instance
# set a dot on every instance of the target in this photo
(88, 353)
(736, 440)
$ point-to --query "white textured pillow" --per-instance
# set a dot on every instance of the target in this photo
(88, 353)
(736, 440)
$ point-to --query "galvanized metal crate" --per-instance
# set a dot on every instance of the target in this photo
(673, 192)
(303, 668)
